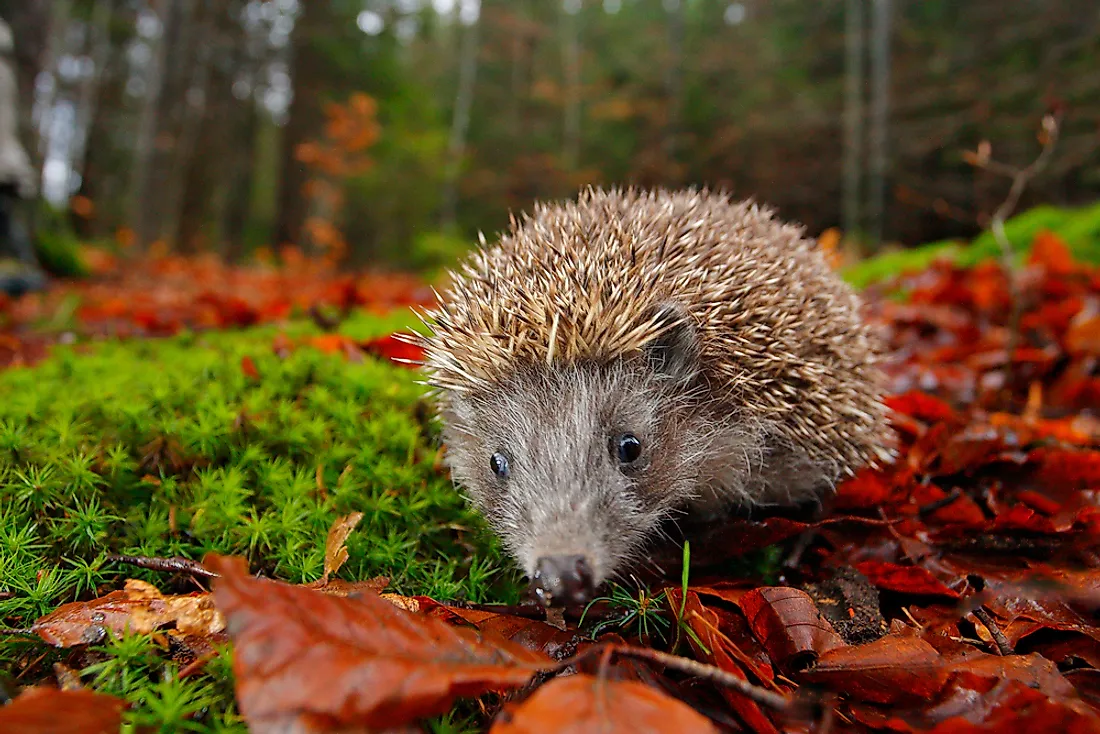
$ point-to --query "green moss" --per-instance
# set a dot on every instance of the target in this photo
(167, 448)
(1078, 228)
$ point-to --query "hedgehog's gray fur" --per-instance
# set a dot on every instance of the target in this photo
(715, 333)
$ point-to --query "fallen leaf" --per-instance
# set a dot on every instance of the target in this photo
(893, 669)
(37, 711)
(336, 553)
(323, 663)
(789, 625)
(904, 579)
(248, 367)
(584, 703)
(139, 608)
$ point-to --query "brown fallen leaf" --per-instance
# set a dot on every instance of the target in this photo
(719, 650)
(531, 633)
(584, 703)
(36, 711)
(336, 553)
(893, 669)
(789, 625)
(323, 663)
(139, 608)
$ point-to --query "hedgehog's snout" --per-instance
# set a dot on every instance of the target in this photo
(563, 581)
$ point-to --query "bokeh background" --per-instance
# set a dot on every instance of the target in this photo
(388, 132)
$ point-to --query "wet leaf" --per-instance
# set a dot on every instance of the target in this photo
(326, 662)
(584, 703)
(904, 579)
(51, 711)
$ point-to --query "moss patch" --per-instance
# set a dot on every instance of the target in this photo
(168, 448)
(1079, 228)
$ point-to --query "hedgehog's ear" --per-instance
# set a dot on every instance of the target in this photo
(674, 352)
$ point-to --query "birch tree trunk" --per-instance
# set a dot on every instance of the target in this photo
(460, 121)
(880, 111)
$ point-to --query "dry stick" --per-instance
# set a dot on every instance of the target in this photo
(1004, 647)
(941, 503)
(172, 565)
(1020, 179)
(756, 694)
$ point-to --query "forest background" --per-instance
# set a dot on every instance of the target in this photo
(388, 132)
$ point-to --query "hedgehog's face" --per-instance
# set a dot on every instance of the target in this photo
(575, 466)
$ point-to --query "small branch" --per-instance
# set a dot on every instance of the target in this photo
(756, 694)
(171, 565)
(1004, 647)
(941, 503)
(1020, 179)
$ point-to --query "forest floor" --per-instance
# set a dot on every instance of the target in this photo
(264, 446)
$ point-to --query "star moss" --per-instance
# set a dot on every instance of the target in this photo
(170, 448)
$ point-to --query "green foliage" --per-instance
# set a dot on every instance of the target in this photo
(58, 253)
(1078, 228)
(167, 448)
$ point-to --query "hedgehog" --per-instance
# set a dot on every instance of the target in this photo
(635, 356)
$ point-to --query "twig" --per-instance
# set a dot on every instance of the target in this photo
(756, 694)
(1020, 179)
(171, 565)
(1004, 647)
(941, 503)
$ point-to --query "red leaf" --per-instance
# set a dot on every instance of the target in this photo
(789, 625)
(39, 711)
(904, 579)
(1049, 251)
(584, 703)
(921, 406)
(395, 350)
(892, 669)
(248, 367)
(720, 650)
(307, 659)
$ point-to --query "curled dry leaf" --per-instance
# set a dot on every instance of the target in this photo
(139, 608)
(39, 711)
(719, 650)
(336, 553)
(531, 633)
(584, 703)
(789, 625)
(326, 663)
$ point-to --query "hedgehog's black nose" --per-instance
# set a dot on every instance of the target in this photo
(563, 581)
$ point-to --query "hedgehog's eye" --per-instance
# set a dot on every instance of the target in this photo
(498, 462)
(627, 448)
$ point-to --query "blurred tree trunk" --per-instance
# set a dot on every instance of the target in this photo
(98, 48)
(571, 63)
(853, 114)
(238, 207)
(155, 137)
(460, 121)
(880, 111)
(674, 81)
(207, 144)
(30, 22)
(305, 118)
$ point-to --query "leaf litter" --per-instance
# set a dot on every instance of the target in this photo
(978, 549)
